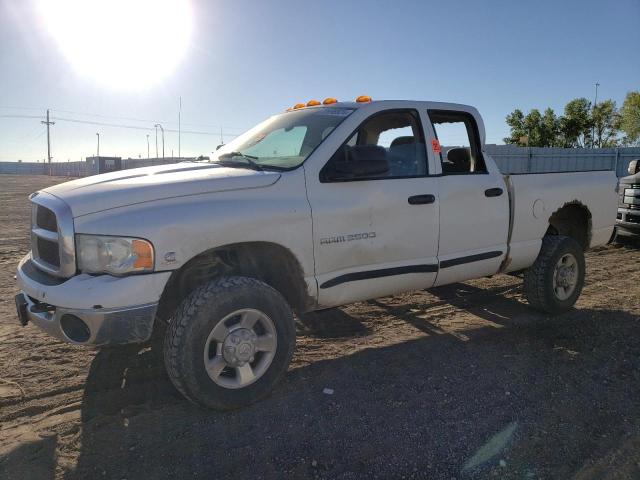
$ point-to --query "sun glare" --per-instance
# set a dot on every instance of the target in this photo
(122, 44)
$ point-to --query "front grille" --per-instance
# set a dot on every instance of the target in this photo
(46, 219)
(48, 251)
(630, 196)
(52, 236)
(633, 218)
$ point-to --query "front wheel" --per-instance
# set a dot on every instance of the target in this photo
(554, 282)
(230, 342)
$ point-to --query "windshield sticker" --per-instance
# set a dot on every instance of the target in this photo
(258, 138)
(340, 112)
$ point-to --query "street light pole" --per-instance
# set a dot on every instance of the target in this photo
(98, 154)
(162, 130)
(593, 127)
(156, 127)
(147, 146)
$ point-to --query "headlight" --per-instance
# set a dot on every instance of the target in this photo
(113, 255)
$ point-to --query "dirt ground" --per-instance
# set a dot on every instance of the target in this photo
(459, 382)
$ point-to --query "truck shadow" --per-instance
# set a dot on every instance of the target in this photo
(331, 323)
(489, 304)
(423, 408)
(35, 460)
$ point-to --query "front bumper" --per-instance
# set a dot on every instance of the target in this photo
(623, 223)
(110, 310)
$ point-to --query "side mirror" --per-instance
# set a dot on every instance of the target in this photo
(220, 146)
(362, 161)
(634, 167)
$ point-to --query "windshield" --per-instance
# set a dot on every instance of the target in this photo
(285, 141)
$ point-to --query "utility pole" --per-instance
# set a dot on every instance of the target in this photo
(162, 129)
(156, 127)
(593, 127)
(98, 154)
(147, 146)
(48, 123)
(179, 129)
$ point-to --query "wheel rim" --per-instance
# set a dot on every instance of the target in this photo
(565, 276)
(240, 348)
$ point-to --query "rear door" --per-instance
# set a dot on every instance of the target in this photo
(474, 204)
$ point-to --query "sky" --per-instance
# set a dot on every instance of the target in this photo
(117, 68)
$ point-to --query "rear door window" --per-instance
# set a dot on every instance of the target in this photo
(458, 137)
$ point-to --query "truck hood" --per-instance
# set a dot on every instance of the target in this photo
(137, 185)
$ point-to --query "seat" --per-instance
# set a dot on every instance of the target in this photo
(406, 157)
(458, 161)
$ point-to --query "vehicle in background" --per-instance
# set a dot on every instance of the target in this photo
(628, 218)
(326, 204)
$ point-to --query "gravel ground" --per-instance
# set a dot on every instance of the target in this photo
(459, 382)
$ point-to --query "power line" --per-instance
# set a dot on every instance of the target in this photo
(50, 121)
(97, 115)
(232, 132)
(133, 127)
(143, 120)
(20, 116)
(115, 117)
(9, 107)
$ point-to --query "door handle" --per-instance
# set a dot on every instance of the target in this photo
(422, 199)
(493, 192)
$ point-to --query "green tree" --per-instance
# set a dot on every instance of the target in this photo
(582, 125)
(575, 124)
(515, 120)
(605, 122)
(550, 129)
(630, 118)
(533, 129)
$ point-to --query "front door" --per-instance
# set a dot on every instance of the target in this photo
(376, 230)
(474, 204)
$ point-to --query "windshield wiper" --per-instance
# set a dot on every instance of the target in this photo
(227, 159)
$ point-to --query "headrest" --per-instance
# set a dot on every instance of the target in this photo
(366, 153)
(460, 157)
(402, 141)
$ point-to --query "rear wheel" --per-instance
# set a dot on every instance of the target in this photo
(554, 282)
(230, 342)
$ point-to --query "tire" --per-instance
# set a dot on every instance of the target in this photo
(195, 338)
(539, 278)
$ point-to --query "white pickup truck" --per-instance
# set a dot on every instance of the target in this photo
(325, 204)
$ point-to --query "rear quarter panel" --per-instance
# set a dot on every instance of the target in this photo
(537, 196)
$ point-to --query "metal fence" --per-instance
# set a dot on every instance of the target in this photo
(513, 159)
(75, 169)
(510, 159)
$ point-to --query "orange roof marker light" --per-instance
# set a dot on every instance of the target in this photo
(298, 106)
(329, 101)
(313, 103)
(363, 99)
